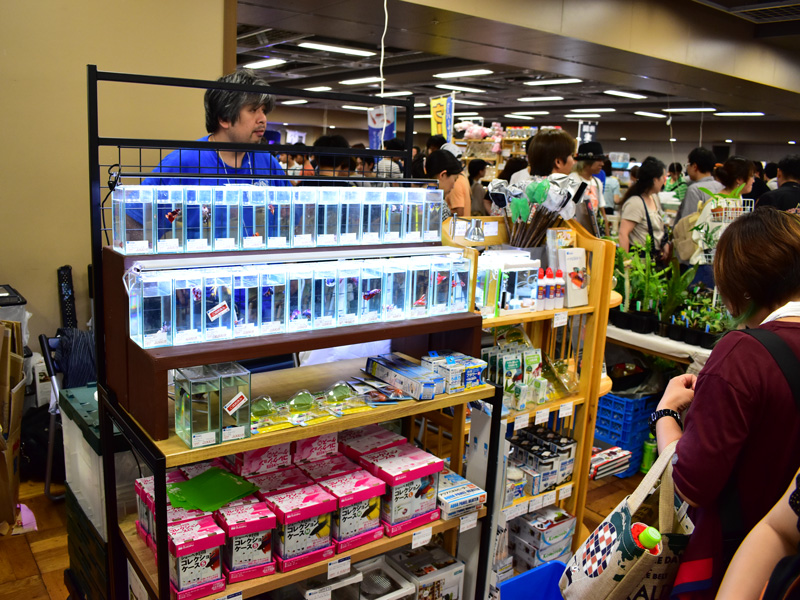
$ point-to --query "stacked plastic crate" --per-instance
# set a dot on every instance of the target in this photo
(623, 422)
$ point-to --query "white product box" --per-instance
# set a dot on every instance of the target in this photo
(359, 508)
(435, 574)
(545, 527)
(378, 570)
(304, 520)
(195, 553)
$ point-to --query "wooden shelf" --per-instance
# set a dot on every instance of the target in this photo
(576, 400)
(616, 299)
(529, 317)
(143, 560)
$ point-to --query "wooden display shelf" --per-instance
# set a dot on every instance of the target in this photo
(527, 499)
(143, 559)
(530, 317)
(576, 399)
(616, 299)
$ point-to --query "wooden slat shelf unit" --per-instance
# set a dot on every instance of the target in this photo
(144, 562)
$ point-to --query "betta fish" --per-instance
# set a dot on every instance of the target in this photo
(371, 294)
(458, 282)
(268, 291)
(206, 215)
(172, 215)
(271, 208)
(440, 278)
(421, 301)
(196, 294)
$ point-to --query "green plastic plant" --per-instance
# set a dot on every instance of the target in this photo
(675, 289)
(639, 282)
(721, 200)
(710, 236)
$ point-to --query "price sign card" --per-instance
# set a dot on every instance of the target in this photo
(549, 498)
(565, 410)
(337, 568)
(421, 537)
(560, 319)
(323, 593)
(542, 416)
(535, 503)
(521, 421)
(468, 522)
(565, 492)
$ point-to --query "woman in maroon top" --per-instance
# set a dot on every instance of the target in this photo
(742, 435)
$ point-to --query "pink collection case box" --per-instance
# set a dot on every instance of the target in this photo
(145, 497)
(278, 482)
(304, 525)
(335, 466)
(250, 499)
(200, 591)
(176, 514)
(261, 460)
(199, 468)
(195, 554)
(143, 535)
(357, 518)
(420, 521)
(371, 442)
(356, 432)
(248, 572)
(248, 528)
(315, 448)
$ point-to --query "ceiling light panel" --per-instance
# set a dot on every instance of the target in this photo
(393, 94)
(553, 81)
(319, 88)
(456, 74)
(643, 113)
(621, 94)
(362, 80)
(540, 99)
(263, 64)
(738, 114)
(354, 107)
(298, 101)
(470, 102)
(531, 112)
(592, 110)
(520, 117)
(689, 110)
(584, 116)
(336, 49)
(459, 88)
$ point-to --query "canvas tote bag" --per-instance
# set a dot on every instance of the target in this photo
(609, 565)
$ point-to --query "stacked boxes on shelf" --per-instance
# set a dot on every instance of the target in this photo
(541, 536)
(623, 422)
(550, 455)
(458, 496)
(435, 574)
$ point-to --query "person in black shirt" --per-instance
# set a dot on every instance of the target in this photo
(787, 196)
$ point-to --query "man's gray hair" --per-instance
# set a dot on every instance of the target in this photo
(225, 105)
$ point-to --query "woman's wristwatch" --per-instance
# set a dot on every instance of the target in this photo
(664, 412)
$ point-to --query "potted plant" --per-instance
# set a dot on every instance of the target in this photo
(725, 207)
(675, 292)
(708, 242)
(643, 289)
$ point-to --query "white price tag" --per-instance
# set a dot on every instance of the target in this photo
(348, 238)
(168, 245)
(461, 228)
(370, 237)
(204, 439)
(490, 228)
(549, 498)
(276, 242)
(521, 421)
(225, 244)
(421, 537)
(326, 239)
(515, 511)
(535, 504)
(565, 410)
(565, 492)
(303, 240)
(197, 245)
(323, 593)
(391, 236)
(468, 522)
(542, 416)
(235, 404)
(560, 319)
(337, 568)
(255, 241)
(603, 370)
(233, 433)
(235, 596)
(137, 247)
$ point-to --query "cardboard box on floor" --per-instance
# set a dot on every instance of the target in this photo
(12, 397)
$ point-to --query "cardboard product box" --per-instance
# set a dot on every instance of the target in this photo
(335, 466)
(277, 482)
(344, 587)
(373, 442)
(461, 500)
(248, 549)
(450, 479)
(315, 448)
(572, 262)
(420, 388)
(435, 574)
(144, 489)
(418, 371)
(261, 460)
(198, 468)
(357, 432)
(378, 570)
(557, 238)
(534, 557)
(357, 518)
(195, 558)
(544, 527)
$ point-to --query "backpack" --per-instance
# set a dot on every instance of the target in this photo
(683, 244)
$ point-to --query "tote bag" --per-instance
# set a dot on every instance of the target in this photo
(609, 565)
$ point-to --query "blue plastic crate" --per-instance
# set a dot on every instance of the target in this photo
(541, 583)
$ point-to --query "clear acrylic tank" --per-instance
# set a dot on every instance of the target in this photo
(372, 216)
(304, 205)
(325, 284)
(217, 300)
(301, 297)
(396, 290)
(187, 307)
(156, 309)
(413, 215)
(169, 219)
(371, 293)
(419, 285)
(254, 217)
(279, 217)
(483, 289)
(132, 219)
(197, 224)
(352, 202)
(349, 284)
(459, 289)
(246, 293)
(440, 285)
(134, 288)
(227, 200)
(234, 400)
(432, 223)
(395, 199)
(197, 418)
(328, 206)
(521, 283)
(273, 299)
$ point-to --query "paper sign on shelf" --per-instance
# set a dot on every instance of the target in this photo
(560, 319)
(468, 522)
(490, 228)
(219, 310)
(603, 370)
(461, 228)
(421, 537)
(516, 510)
(535, 503)
(565, 492)
(565, 410)
(337, 568)
(521, 421)
(542, 416)
(234, 596)
(549, 498)
(323, 593)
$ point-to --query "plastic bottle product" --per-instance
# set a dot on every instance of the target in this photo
(558, 284)
(550, 290)
(646, 537)
(649, 453)
(541, 291)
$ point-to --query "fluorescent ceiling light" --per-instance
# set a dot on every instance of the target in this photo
(354, 107)
(642, 113)
(419, 104)
(673, 139)
(531, 112)
(285, 123)
(728, 141)
(465, 114)
(688, 110)
(592, 110)
(414, 132)
(338, 49)
(520, 117)
(470, 102)
(298, 101)
(792, 142)
(319, 88)
(553, 81)
(428, 116)
(331, 126)
(472, 73)
(584, 116)
(459, 88)
(263, 64)
(623, 139)
(362, 80)
(625, 94)
(392, 94)
(738, 114)
(540, 99)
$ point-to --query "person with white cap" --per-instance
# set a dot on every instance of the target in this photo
(590, 159)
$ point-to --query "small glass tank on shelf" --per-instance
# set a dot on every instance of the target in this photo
(279, 217)
(459, 290)
(156, 309)
(132, 219)
(197, 224)
(352, 201)
(420, 282)
(169, 219)
(187, 307)
(197, 406)
(325, 281)
(396, 290)
(394, 214)
(349, 284)
(371, 294)
(521, 282)
(328, 205)
(227, 200)
(440, 285)
(304, 204)
(273, 299)
(301, 297)
(217, 285)
(372, 216)
(413, 214)
(432, 226)
(234, 400)
(254, 217)
(245, 302)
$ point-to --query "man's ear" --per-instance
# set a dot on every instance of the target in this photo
(223, 124)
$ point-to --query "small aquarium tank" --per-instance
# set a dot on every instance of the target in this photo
(197, 224)
(169, 219)
(371, 291)
(197, 406)
(217, 299)
(246, 295)
(328, 208)
(273, 299)
(254, 217)
(187, 307)
(301, 297)
(279, 217)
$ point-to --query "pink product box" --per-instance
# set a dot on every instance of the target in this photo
(261, 460)
(142, 533)
(278, 482)
(359, 507)
(420, 521)
(249, 530)
(248, 572)
(251, 499)
(195, 553)
(329, 468)
(176, 514)
(351, 434)
(200, 591)
(304, 521)
(199, 468)
(145, 497)
(372, 442)
(315, 448)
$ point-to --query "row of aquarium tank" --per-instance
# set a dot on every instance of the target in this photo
(177, 307)
(181, 219)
